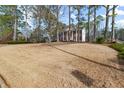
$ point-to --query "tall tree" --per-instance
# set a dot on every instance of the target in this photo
(108, 9)
(51, 21)
(89, 12)
(90, 23)
(113, 23)
(99, 19)
(26, 9)
(79, 19)
(15, 24)
(58, 9)
(38, 14)
(106, 22)
(94, 35)
(26, 24)
(78, 9)
(44, 17)
(12, 10)
(95, 8)
(69, 21)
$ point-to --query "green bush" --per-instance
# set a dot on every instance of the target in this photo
(121, 54)
(118, 47)
(100, 40)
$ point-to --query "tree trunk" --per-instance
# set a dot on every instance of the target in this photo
(39, 23)
(69, 23)
(49, 24)
(113, 23)
(57, 24)
(39, 30)
(15, 26)
(26, 25)
(106, 23)
(94, 35)
(78, 25)
(88, 38)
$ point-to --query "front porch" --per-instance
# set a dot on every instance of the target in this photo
(73, 36)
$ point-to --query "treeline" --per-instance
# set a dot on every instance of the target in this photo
(39, 21)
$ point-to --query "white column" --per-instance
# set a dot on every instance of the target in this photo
(76, 35)
(83, 35)
(67, 36)
(72, 36)
(63, 36)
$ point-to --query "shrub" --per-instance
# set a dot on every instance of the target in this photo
(118, 47)
(100, 40)
(121, 55)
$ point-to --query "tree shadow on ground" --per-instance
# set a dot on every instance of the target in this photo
(83, 78)
(119, 61)
(64, 43)
(89, 60)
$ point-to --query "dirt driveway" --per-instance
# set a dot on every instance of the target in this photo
(67, 65)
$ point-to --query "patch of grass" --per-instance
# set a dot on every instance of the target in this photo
(121, 55)
(18, 42)
(119, 48)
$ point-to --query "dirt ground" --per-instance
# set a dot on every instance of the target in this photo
(60, 65)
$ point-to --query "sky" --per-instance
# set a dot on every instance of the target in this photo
(119, 19)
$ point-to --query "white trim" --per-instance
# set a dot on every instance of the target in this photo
(67, 36)
(63, 36)
(83, 35)
(76, 35)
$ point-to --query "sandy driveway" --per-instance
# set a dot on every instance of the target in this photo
(69, 65)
